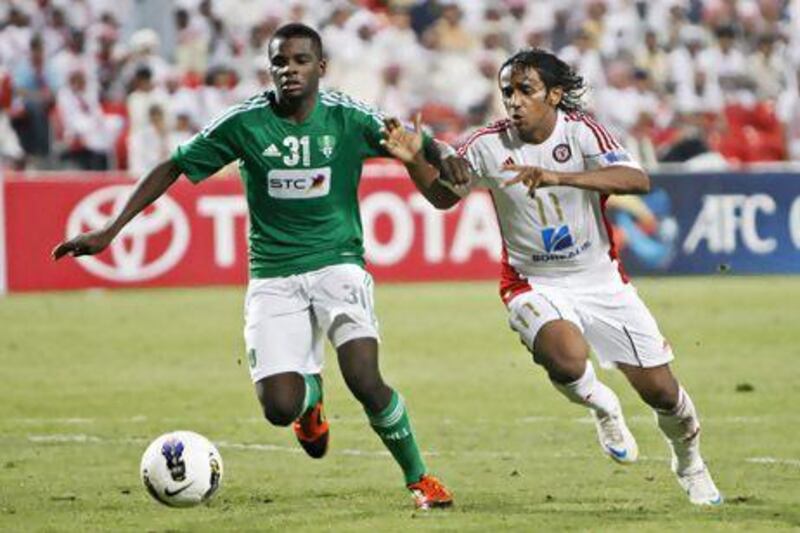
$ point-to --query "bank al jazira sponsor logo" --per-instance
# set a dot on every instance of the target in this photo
(129, 260)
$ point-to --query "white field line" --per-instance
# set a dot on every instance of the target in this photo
(81, 438)
(773, 461)
(62, 438)
(40, 421)
(633, 420)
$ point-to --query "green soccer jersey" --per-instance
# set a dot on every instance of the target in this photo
(301, 180)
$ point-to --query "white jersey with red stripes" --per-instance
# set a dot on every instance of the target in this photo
(561, 233)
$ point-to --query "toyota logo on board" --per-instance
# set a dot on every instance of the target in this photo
(133, 254)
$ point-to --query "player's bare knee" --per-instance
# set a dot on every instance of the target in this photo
(560, 369)
(560, 342)
(658, 394)
(281, 397)
(565, 374)
(656, 386)
(564, 361)
(660, 397)
(280, 412)
(540, 358)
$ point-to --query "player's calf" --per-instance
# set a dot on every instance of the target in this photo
(615, 438)
(681, 428)
(387, 414)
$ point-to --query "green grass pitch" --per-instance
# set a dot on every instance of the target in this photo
(89, 378)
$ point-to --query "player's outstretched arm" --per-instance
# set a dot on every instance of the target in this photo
(407, 146)
(147, 191)
(614, 179)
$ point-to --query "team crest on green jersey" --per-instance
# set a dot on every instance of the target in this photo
(327, 143)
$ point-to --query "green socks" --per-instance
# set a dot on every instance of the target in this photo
(313, 392)
(391, 424)
(394, 428)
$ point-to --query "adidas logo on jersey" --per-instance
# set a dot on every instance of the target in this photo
(271, 151)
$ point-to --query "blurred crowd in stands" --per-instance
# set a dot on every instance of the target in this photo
(117, 84)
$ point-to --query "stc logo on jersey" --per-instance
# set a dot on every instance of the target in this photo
(556, 238)
(299, 184)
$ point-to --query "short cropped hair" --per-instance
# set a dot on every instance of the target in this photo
(298, 30)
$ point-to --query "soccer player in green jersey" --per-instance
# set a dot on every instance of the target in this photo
(300, 153)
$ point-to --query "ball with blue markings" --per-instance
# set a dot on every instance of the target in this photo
(181, 469)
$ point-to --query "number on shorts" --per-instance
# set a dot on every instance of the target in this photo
(355, 295)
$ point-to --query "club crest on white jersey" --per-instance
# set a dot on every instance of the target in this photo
(558, 230)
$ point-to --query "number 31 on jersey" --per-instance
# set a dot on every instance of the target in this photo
(298, 149)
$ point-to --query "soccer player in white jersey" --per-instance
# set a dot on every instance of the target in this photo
(550, 169)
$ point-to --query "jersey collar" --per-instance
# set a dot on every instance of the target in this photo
(309, 119)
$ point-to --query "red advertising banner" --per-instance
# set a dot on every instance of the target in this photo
(196, 234)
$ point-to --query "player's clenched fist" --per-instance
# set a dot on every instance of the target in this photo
(456, 170)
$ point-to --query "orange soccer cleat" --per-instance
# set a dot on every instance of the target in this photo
(429, 492)
(312, 431)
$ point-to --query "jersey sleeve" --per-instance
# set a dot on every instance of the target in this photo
(370, 122)
(208, 151)
(599, 147)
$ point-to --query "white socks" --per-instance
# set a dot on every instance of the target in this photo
(681, 428)
(588, 391)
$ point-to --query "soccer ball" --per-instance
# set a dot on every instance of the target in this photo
(181, 469)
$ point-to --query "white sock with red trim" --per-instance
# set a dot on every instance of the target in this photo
(591, 392)
(681, 428)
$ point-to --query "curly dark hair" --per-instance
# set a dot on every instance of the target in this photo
(554, 73)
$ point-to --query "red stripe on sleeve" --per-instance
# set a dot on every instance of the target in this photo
(601, 140)
(604, 132)
(496, 127)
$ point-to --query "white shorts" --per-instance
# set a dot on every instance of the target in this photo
(286, 318)
(613, 319)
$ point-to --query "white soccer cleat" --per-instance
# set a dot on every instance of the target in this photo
(690, 469)
(700, 487)
(615, 437)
